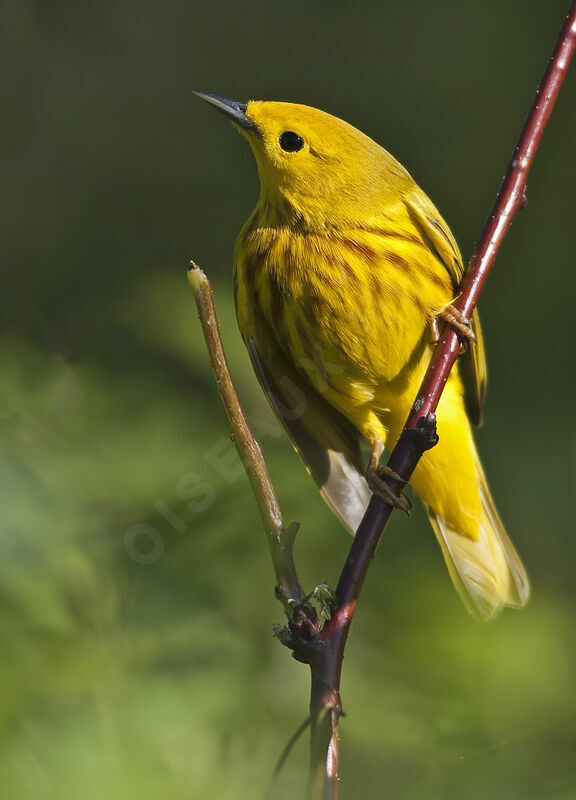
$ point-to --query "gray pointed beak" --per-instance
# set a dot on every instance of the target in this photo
(236, 111)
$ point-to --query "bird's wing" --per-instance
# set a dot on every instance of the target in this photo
(436, 234)
(327, 442)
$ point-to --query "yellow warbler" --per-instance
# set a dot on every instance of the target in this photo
(341, 272)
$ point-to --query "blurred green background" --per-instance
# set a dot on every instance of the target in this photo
(136, 598)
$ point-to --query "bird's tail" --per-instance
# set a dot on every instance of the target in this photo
(487, 572)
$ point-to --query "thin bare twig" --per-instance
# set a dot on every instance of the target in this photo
(280, 538)
(419, 431)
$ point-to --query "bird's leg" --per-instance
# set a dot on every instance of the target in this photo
(375, 474)
(434, 329)
(461, 324)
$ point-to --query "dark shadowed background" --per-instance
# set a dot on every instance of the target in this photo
(136, 598)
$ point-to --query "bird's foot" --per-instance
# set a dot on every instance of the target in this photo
(377, 484)
(461, 324)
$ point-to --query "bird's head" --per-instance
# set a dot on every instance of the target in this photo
(314, 164)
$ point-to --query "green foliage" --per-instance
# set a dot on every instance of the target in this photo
(136, 593)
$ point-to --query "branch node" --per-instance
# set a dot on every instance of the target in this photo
(326, 598)
(289, 534)
(424, 434)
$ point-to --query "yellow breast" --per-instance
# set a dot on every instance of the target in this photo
(348, 307)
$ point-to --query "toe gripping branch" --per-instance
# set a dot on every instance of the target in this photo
(380, 487)
(388, 482)
(415, 441)
(461, 324)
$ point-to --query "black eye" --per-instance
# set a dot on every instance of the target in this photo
(291, 142)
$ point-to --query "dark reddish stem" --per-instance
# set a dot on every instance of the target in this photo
(327, 662)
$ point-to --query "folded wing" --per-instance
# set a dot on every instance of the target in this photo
(327, 442)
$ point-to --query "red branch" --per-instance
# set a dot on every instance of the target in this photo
(326, 662)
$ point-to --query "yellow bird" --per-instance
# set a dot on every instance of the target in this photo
(341, 274)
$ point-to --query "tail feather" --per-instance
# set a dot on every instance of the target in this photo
(488, 572)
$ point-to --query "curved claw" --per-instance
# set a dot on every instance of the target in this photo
(382, 490)
(461, 324)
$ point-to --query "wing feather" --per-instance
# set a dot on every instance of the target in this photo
(326, 441)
